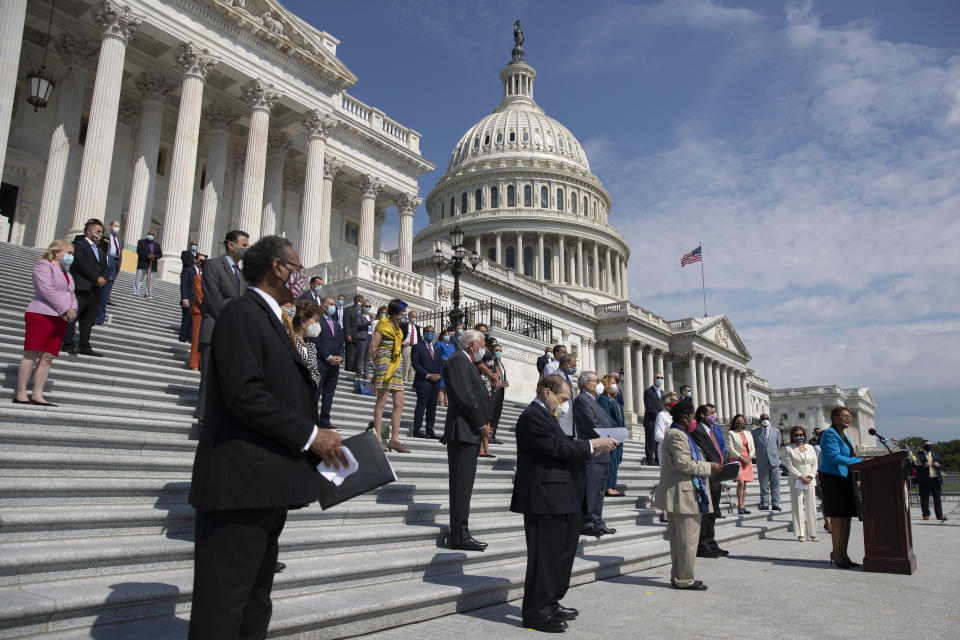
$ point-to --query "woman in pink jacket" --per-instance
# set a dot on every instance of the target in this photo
(54, 305)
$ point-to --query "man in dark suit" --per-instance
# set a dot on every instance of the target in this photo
(549, 491)
(587, 416)
(544, 360)
(112, 245)
(221, 282)
(257, 453)
(929, 480)
(467, 423)
(188, 260)
(90, 272)
(329, 357)
(148, 255)
(498, 392)
(651, 407)
(428, 367)
(706, 440)
(315, 293)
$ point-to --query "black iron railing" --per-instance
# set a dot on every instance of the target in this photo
(496, 315)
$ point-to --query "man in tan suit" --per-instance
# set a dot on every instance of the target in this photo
(677, 495)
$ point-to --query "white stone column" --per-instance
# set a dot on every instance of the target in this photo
(155, 89)
(658, 366)
(701, 390)
(476, 243)
(315, 212)
(406, 206)
(608, 268)
(119, 26)
(638, 381)
(277, 144)
(519, 252)
(79, 54)
(499, 237)
(709, 397)
(561, 275)
(668, 373)
(624, 291)
(603, 358)
(219, 117)
(738, 382)
(746, 396)
(626, 381)
(718, 390)
(693, 380)
(370, 186)
(596, 267)
(580, 269)
(648, 365)
(197, 63)
(261, 96)
(13, 14)
(331, 167)
(540, 266)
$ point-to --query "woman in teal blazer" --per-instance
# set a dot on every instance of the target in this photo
(836, 485)
(609, 404)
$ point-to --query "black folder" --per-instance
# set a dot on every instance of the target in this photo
(729, 472)
(374, 471)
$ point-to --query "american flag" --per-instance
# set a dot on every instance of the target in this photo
(690, 258)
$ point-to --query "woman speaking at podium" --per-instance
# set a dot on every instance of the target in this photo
(836, 485)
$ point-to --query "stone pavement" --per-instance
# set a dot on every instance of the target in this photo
(772, 587)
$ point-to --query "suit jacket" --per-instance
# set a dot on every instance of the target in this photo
(550, 466)
(651, 406)
(676, 493)
(108, 239)
(834, 458)
(86, 267)
(260, 412)
(52, 292)
(587, 416)
(187, 259)
(355, 324)
(468, 401)
(186, 283)
(801, 464)
(219, 286)
(923, 472)
(703, 440)
(613, 409)
(311, 295)
(327, 343)
(143, 250)
(768, 453)
(541, 363)
(405, 328)
(424, 365)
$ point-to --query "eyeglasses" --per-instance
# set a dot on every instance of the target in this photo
(297, 266)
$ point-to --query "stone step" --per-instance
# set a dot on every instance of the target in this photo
(127, 307)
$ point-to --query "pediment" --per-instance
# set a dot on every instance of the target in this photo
(720, 331)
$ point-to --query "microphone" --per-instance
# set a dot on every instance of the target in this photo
(879, 437)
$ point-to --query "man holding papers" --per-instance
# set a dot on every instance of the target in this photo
(588, 415)
(258, 451)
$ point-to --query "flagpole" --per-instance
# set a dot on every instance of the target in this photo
(703, 282)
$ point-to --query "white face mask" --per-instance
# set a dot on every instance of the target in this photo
(600, 388)
(764, 423)
(115, 230)
(313, 330)
(563, 409)
(478, 356)
(613, 388)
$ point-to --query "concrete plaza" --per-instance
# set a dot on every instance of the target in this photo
(772, 587)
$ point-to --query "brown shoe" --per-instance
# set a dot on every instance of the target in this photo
(926, 517)
(395, 445)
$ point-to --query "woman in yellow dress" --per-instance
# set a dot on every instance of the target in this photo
(388, 377)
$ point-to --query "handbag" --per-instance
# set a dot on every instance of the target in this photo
(363, 387)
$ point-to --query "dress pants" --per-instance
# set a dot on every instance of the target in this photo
(329, 374)
(427, 394)
(650, 445)
(803, 502)
(769, 477)
(105, 291)
(360, 347)
(928, 488)
(406, 366)
(496, 408)
(234, 557)
(684, 531)
(350, 355)
(140, 283)
(707, 543)
(205, 351)
(87, 304)
(462, 464)
(551, 548)
(596, 480)
(186, 323)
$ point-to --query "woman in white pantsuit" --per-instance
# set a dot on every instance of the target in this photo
(801, 462)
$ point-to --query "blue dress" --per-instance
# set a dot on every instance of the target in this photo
(446, 350)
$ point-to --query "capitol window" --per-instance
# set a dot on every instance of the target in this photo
(559, 199)
(453, 206)
(560, 142)
(547, 263)
(442, 207)
(494, 197)
(549, 139)
(544, 198)
(511, 196)
(528, 261)
(486, 140)
(573, 202)
(585, 209)
(463, 203)
(477, 200)
(526, 136)
(527, 196)
(513, 136)
(499, 136)
(492, 254)
(476, 143)
(350, 233)
(511, 260)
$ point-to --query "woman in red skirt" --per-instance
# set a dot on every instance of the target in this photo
(54, 305)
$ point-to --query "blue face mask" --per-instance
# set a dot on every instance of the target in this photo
(193, 248)
(366, 309)
(446, 338)
(149, 238)
(67, 260)
(428, 336)
(496, 355)
(339, 303)
(658, 382)
(571, 371)
(331, 309)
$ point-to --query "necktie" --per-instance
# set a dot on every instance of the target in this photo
(766, 434)
(930, 460)
(236, 274)
(330, 324)
(116, 245)
(715, 443)
(430, 349)
(96, 254)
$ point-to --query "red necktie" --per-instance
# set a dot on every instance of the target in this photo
(116, 245)
(714, 438)
(330, 324)
(430, 348)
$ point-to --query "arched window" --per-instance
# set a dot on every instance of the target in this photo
(528, 261)
(492, 254)
(494, 197)
(585, 210)
(463, 203)
(499, 136)
(527, 196)
(573, 202)
(513, 136)
(559, 199)
(511, 196)
(453, 206)
(477, 200)
(544, 198)
(476, 143)
(511, 254)
(486, 140)
(547, 263)
(560, 142)
(526, 136)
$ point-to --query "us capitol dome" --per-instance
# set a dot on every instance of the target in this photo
(519, 186)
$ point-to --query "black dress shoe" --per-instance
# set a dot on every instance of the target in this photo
(550, 624)
(280, 566)
(607, 531)
(496, 441)
(42, 404)
(418, 434)
(590, 531)
(775, 508)
(562, 612)
(723, 552)
(708, 554)
(90, 352)
(696, 586)
(70, 350)
(469, 545)
(432, 435)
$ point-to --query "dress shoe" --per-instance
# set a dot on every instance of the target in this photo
(395, 445)
(487, 455)
(418, 434)
(763, 507)
(607, 531)
(776, 508)
(696, 586)
(590, 531)
(90, 352)
(15, 401)
(723, 553)
(42, 404)
(70, 350)
(562, 612)
(550, 624)
(496, 441)
(926, 517)
(720, 515)
(280, 566)
(708, 554)
(942, 518)
(468, 545)
(432, 435)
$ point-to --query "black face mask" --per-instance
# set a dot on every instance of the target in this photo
(927, 447)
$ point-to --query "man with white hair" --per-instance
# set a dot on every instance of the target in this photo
(467, 423)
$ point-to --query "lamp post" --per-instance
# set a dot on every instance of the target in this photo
(457, 265)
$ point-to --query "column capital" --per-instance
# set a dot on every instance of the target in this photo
(626, 343)
(498, 234)
(196, 62)
(218, 116)
(260, 95)
(117, 21)
(540, 235)
(370, 185)
(319, 124)
(154, 86)
(277, 142)
(407, 203)
(76, 52)
(127, 112)
(331, 167)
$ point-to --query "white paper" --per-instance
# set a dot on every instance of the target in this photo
(799, 484)
(339, 475)
(619, 435)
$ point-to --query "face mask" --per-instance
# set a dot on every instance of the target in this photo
(689, 394)
(193, 248)
(562, 410)
(571, 371)
(428, 336)
(331, 309)
(764, 423)
(295, 283)
(712, 420)
(240, 252)
(366, 309)
(496, 355)
(290, 311)
(600, 388)
(613, 388)
(478, 356)
(798, 439)
(459, 332)
(658, 382)
(313, 330)
(149, 238)
(382, 316)
(67, 260)
(318, 289)
(926, 447)
(404, 317)
(739, 425)
(339, 303)
(115, 230)
(446, 338)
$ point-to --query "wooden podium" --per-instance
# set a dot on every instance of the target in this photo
(885, 510)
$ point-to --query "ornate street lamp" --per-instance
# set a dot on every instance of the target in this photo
(457, 267)
(39, 82)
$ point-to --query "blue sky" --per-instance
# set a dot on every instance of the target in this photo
(813, 147)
